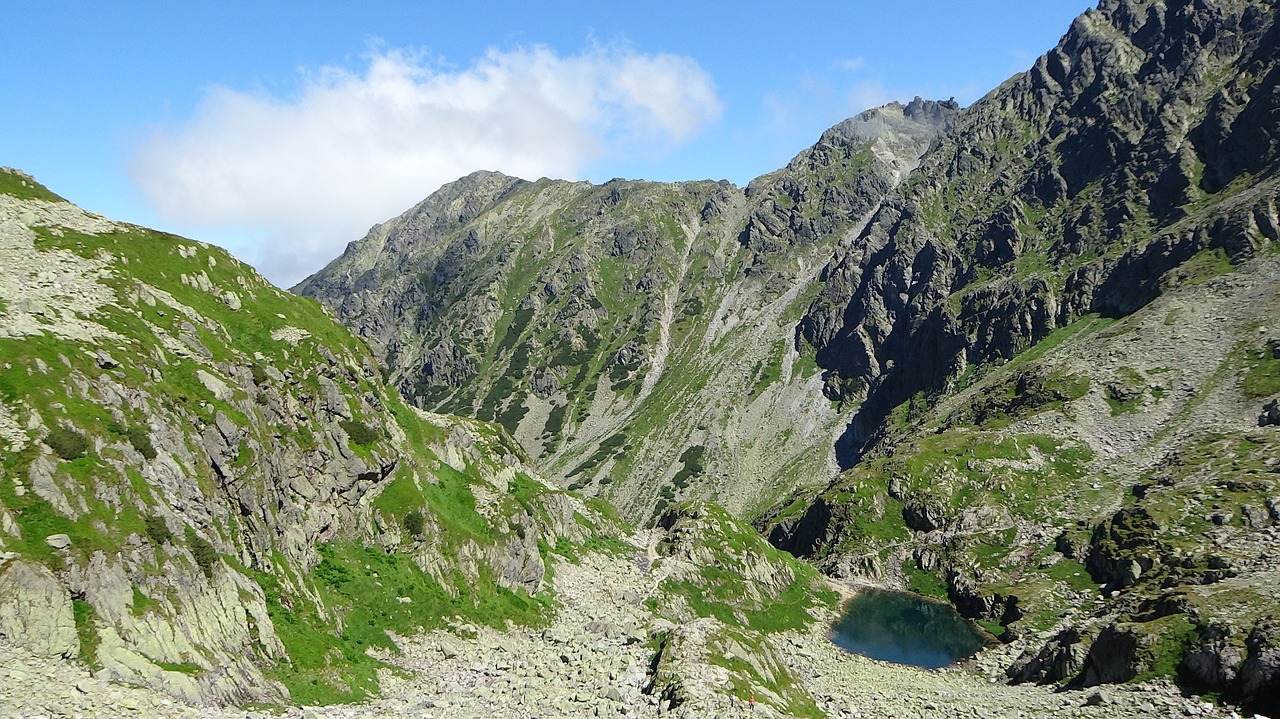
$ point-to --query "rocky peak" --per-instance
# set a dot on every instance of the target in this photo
(1091, 153)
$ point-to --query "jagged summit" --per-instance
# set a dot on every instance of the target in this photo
(651, 343)
(1019, 356)
(915, 118)
(576, 314)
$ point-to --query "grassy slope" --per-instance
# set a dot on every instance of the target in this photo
(54, 377)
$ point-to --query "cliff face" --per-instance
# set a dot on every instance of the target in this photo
(1059, 334)
(635, 337)
(192, 457)
(1073, 188)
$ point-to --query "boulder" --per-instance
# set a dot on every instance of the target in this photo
(1258, 682)
(1270, 414)
(36, 612)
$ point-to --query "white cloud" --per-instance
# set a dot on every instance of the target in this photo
(312, 172)
(852, 64)
(868, 94)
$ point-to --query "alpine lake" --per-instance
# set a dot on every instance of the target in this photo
(906, 629)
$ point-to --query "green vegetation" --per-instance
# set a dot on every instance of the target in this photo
(402, 498)
(203, 552)
(86, 630)
(763, 671)
(180, 667)
(103, 528)
(454, 506)
(25, 188)
(922, 582)
(727, 595)
(414, 523)
(1082, 327)
(359, 432)
(143, 604)
(140, 438)
(158, 530)
(769, 370)
(1262, 372)
(691, 459)
(67, 443)
(1126, 394)
(1177, 636)
(369, 587)
(1204, 266)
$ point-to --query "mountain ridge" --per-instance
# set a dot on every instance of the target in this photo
(1130, 167)
(1016, 357)
(581, 326)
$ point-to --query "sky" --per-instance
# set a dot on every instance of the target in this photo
(284, 130)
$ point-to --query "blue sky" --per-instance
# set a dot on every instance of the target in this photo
(285, 130)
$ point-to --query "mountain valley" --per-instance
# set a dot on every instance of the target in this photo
(549, 448)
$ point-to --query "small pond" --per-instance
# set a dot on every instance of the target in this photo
(905, 629)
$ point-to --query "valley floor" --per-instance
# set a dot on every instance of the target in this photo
(593, 660)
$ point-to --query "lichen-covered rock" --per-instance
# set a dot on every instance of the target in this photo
(35, 610)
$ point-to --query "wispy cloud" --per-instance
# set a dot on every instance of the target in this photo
(852, 64)
(312, 172)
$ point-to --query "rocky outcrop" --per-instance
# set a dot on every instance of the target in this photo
(189, 470)
(1068, 190)
(35, 610)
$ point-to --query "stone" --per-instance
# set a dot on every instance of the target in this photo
(1270, 414)
(1100, 697)
(58, 541)
(35, 611)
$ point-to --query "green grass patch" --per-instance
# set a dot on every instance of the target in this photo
(142, 603)
(454, 506)
(1262, 373)
(1204, 266)
(923, 582)
(1073, 574)
(1177, 636)
(87, 631)
(25, 188)
(369, 588)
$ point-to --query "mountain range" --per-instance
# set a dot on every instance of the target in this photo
(1019, 356)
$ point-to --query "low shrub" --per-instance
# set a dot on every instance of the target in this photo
(205, 555)
(67, 443)
(413, 523)
(140, 438)
(359, 432)
(158, 529)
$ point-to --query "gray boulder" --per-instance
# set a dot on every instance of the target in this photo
(35, 611)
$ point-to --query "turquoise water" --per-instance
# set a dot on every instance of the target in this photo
(905, 629)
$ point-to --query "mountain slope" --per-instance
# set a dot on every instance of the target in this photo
(199, 471)
(1043, 319)
(1059, 333)
(580, 317)
(206, 490)
(1073, 188)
